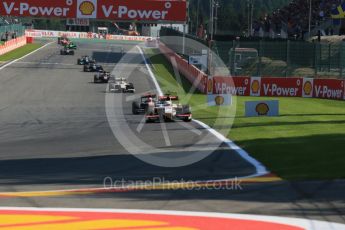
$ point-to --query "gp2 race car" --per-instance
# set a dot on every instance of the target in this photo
(120, 85)
(141, 106)
(66, 51)
(166, 110)
(93, 67)
(63, 40)
(85, 60)
(101, 77)
(71, 46)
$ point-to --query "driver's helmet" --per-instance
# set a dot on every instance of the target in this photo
(168, 103)
(150, 99)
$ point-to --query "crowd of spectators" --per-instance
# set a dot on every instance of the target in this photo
(294, 18)
(5, 23)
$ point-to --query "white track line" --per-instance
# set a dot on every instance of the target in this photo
(296, 222)
(14, 61)
(160, 92)
(260, 168)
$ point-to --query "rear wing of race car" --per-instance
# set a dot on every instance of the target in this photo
(149, 95)
(168, 98)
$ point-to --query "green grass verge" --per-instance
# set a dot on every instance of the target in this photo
(20, 52)
(305, 142)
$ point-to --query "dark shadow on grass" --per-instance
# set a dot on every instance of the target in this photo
(314, 157)
(292, 123)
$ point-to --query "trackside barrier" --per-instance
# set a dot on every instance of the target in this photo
(196, 77)
(257, 86)
(56, 34)
(280, 87)
(85, 35)
(12, 45)
(127, 38)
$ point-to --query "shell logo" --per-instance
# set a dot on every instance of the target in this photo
(308, 88)
(210, 86)
(219, 100)
(262, 109)
(87, 8)
(255, 86)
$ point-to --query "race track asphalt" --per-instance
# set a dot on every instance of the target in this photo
(55, 134)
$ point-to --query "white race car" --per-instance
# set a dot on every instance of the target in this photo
(120, 85)
(166, 110)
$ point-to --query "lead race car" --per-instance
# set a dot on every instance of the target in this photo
(120, 85)
(167, 108)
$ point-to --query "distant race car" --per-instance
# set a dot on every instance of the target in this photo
(85, 60)
(71, 46)
(140, 107)
(66, 51)
(101, 77)
(93, 67)
(120, 85)
(63, 40)
(167, 109)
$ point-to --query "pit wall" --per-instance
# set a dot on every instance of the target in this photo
(12, 45)
(83, 35)
(257, 86)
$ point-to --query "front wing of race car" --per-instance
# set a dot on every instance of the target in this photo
(168, 116)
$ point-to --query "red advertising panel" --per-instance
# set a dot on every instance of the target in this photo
(329, 89)
(231, 85)
(117, 10)
(143, 10)
(281, 87)
(39, 8)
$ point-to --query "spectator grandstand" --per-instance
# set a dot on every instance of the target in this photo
(293, 19)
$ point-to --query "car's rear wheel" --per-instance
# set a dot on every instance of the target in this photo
(187, 119)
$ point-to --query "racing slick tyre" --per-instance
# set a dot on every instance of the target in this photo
(135, 108)
(130, 88)
(79, 61)
(187, 119)
(186, 110)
